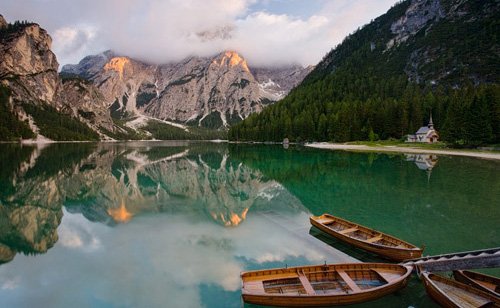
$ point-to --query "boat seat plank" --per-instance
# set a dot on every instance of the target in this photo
(272, 276)
(348, 230)
(325, 220)
(387, 276)
(305, 283)
(347, 279)
(374, 239)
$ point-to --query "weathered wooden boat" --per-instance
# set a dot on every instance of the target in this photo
(363, 237)
(323, 285)
(451, 293)
(481, 281)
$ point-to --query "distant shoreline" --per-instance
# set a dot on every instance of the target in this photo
(396, 149)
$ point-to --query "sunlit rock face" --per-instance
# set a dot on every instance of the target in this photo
(89, 66)
(27, 64)
(28, 68)
(220, 87)
(207, 91)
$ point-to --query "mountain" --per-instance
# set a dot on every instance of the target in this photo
(383, 81)
(211, 92)
(34, 101)
(108, 96)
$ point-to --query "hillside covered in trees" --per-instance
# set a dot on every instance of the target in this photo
(385, 79)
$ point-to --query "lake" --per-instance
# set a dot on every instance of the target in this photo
(172, 224)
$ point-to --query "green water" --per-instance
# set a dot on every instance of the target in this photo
(172, 224)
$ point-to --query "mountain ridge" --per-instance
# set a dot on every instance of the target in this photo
(222, 89)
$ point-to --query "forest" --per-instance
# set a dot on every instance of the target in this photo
(469, 116)
(365, 90)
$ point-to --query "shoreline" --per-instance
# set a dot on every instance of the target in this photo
(396, 149)
(44, 142)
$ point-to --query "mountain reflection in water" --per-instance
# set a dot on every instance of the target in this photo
(113, 183)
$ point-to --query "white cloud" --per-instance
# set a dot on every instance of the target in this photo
(75, 232)
(158, 260)
(267, 39)
(11, 283)
(169, 30)
(72, 43)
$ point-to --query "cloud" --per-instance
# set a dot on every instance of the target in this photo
(72, 42)
(281, 39)
(161, 31)
(161, 260)
(77, 233)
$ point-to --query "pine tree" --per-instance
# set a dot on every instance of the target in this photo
(478, 122)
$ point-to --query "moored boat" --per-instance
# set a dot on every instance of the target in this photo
(481, 281)
(451, 293)
(363, 237)
(323, 285)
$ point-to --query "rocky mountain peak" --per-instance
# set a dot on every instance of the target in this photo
(118, 64)
(231, 59)
(89, 66)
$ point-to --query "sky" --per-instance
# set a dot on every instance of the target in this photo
(264, 32)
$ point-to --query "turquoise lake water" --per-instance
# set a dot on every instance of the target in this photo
(172, 224)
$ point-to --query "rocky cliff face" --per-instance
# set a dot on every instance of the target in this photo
(84, 101)
(28, 66)
(416, 17)
(279, 81)
(28, 69)
(210, 92)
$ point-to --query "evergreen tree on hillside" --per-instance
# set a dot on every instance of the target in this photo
(363, 89)
(478, 122)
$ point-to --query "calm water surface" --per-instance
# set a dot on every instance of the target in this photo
(173, 224)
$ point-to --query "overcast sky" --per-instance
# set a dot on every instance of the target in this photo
(265, 32)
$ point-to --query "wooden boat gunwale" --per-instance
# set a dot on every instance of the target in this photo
(444, 299)
(471, 278)
(397, 253)
(313, 297)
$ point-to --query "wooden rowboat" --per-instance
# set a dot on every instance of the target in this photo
(483, 282)
(323, 285)
(451, 293)
(380, 243)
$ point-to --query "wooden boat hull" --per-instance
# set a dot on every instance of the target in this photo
(324, 285)
(480, 281)
(402, 251)
(451, 293)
